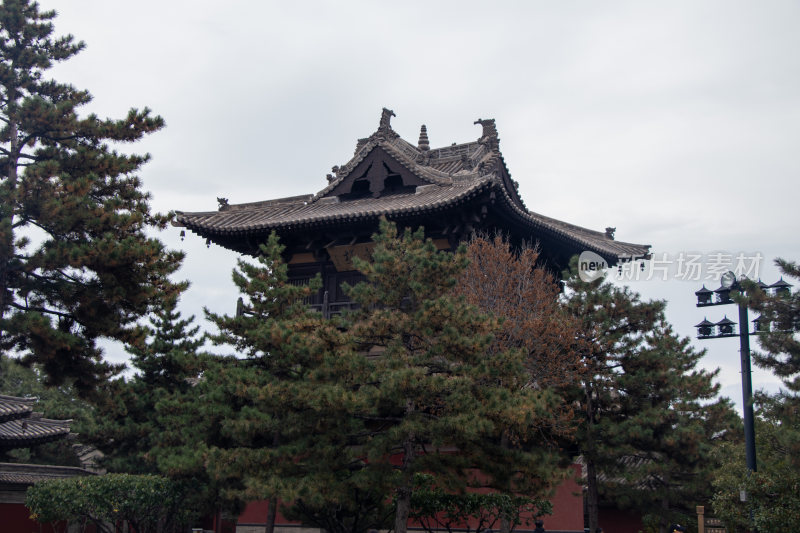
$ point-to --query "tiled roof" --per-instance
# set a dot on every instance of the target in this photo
(29, 431)
(637, 470)
(450, 176)
(21, 427)
(12, 407)
(24, 474)
(309, 211)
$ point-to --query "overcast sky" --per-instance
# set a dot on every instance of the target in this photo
(676, 122)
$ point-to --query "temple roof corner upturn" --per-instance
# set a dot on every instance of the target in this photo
(406, 181)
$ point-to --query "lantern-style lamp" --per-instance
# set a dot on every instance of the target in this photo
(705, 328)
(704, 296)
(781, 288)
(723, 295)
(726, 326)
(760, 325)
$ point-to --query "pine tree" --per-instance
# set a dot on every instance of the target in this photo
(647, 423)
(337, 416)
(665, 424)
(167, 364)
(772, 491)
(433, 386)
(247, 420)
(509, 284)
(76, 263)
(782, 312)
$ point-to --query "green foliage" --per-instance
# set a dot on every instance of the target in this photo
(76, 263)
(431, 387)
(362, 510)
(229, 427)
(337, 416)
(436, 509)
(781, 344)
(168, 363)
(150, 504)
(773, 491)
(649, 418)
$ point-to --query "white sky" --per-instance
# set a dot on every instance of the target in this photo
(677, 122)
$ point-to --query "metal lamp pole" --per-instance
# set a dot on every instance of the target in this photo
(705, 330)
(747, 387)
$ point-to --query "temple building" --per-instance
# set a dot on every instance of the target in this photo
(22, 427)
(451, 191)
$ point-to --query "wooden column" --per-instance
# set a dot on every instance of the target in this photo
(701, 519)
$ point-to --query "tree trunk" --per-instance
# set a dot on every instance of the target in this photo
(591, 495)
(272, 506)
(505, 524)
(272, 510)
(662, 524)
(404, 492)
(403, 509)
(7, 246)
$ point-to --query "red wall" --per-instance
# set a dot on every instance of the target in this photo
(15, 518)
(256, 513)
(567, 509)
(567, 506)
(620, 521)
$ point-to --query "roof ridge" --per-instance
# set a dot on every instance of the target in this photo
(579, 233)
(20, 399)
(431, 175)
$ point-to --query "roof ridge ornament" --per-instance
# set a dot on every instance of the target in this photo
(385, 124)
(423, 143)
(489, 135)
(385, 131)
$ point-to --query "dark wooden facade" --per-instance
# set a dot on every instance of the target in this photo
(452, 192)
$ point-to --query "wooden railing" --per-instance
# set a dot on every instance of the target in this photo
(329, 309)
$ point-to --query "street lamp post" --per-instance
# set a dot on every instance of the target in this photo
(726, 328)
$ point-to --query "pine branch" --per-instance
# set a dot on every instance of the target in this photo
(40, 310)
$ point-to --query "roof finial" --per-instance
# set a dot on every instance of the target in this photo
(386, 116)
(489, 135)
(423, 143)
